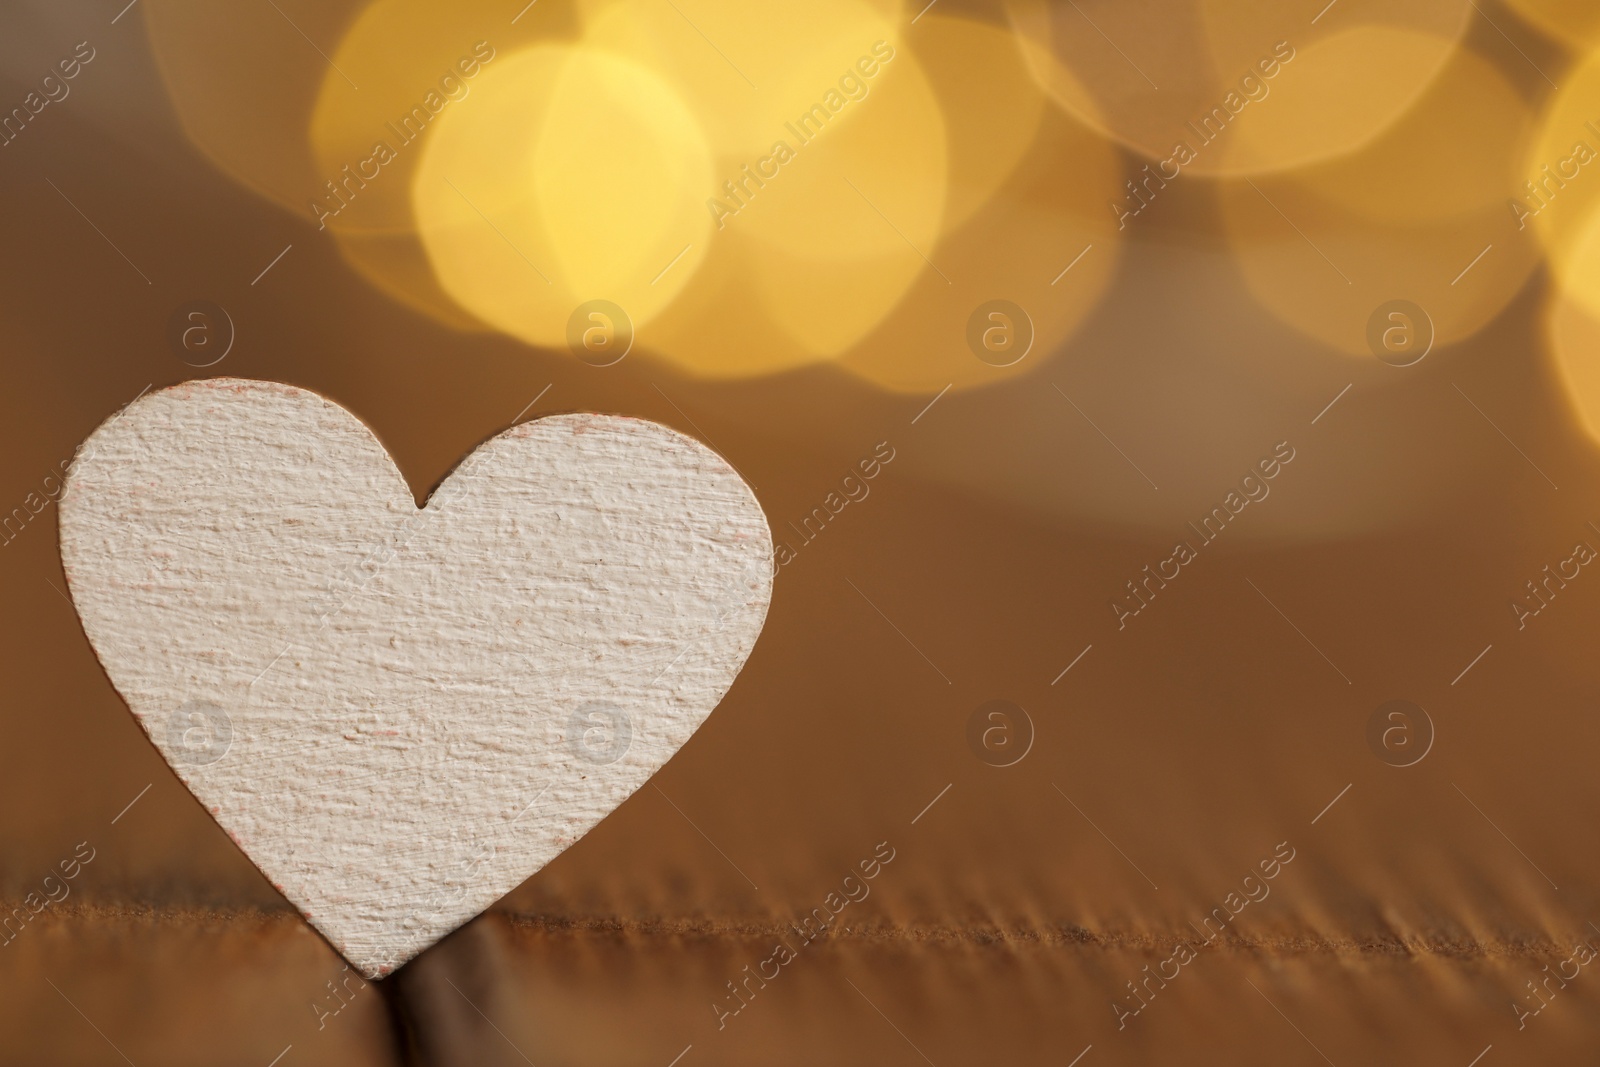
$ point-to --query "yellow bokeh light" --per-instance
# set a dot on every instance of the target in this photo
(1557, 194)
(869, 180)
(1581, 265)
(816, 243)
(1574, 21)
(576, 175)
(762, 187)
(825, 306)
(748, 69)
(1419, 215)
(991, 106)
(1339, 91)
(1048, 245)
(1199, 75)
(719, 326)
(414, 61)
(1573, 332)
(1449, 158)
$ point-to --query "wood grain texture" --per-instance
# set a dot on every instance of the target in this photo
(398, 713)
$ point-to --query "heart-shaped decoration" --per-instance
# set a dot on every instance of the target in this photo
(399, 713)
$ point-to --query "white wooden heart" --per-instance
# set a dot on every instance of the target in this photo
(399, 713)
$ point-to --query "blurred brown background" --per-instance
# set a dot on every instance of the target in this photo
(1169, 755)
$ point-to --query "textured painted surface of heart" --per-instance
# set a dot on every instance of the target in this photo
(401, 713)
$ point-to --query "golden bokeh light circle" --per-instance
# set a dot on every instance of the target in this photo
(1419, 215)
(1573, 22)
(577, 175)
(1232, 87)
